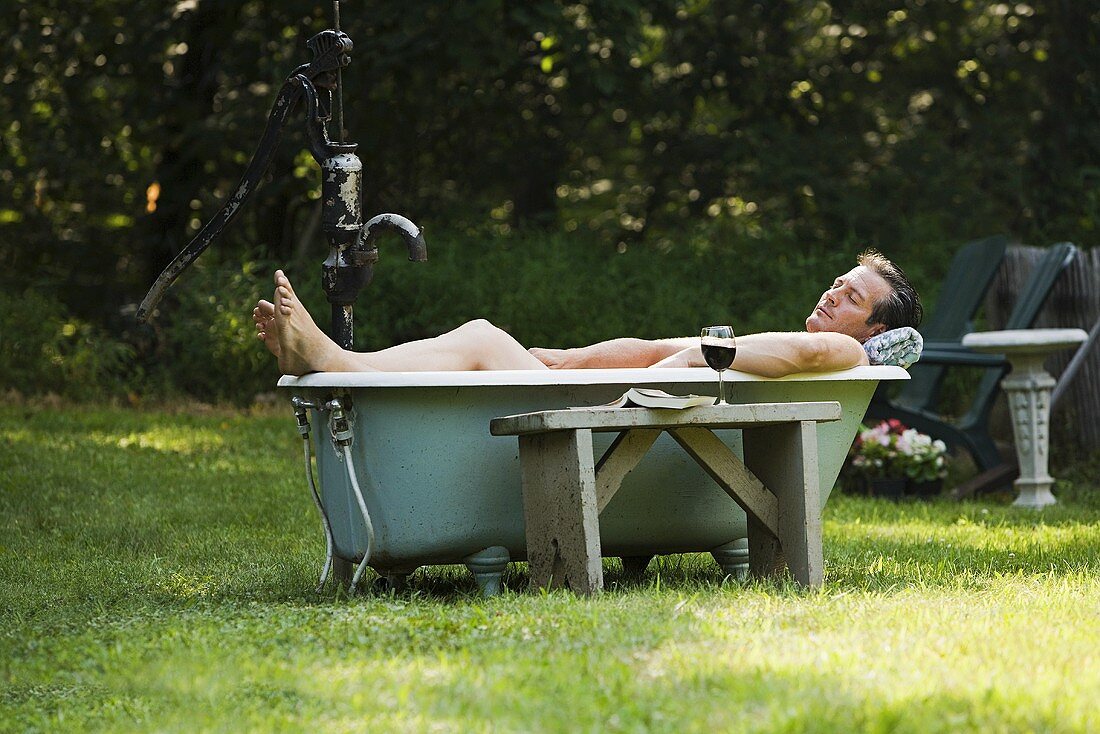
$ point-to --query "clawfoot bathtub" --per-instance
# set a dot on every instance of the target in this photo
(438, 488)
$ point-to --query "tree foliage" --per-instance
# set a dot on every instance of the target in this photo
(126, 124)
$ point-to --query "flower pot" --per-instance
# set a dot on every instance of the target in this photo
(891, 489)
(924, 490)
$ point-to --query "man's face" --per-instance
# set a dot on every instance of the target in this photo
(846, 306)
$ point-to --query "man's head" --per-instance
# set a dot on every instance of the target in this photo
(873, 297)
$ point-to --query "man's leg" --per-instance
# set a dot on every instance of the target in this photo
(623, 352)
(302, 347)
(476, 345)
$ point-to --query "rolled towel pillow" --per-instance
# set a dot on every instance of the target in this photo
(900, 347)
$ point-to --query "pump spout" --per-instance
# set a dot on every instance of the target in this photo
(413, 235)
(350, 265)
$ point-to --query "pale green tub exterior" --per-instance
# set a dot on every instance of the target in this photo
(440, 488)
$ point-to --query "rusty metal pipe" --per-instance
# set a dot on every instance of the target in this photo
(413, 235)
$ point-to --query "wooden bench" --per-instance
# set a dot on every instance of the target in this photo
(565, 489)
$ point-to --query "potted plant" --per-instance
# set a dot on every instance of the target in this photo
(891, 460)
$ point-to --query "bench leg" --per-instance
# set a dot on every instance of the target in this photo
(559, 510)
(766, 559)
(784, 458)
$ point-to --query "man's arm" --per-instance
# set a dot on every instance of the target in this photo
(775, 354)
(626, 352)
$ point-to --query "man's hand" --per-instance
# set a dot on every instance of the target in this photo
(690, 357)
(555, 359)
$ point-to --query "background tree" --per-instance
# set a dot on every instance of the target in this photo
(771, 131)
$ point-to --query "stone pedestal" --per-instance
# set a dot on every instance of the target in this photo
(1028, 388)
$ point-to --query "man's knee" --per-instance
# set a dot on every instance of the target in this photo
(482, 329)
(492, 347)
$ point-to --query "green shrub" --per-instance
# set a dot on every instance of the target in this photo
(45, 350)
(559, 289)
(547, 289)
(207, 346)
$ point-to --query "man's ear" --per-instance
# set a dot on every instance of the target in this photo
(878, 329)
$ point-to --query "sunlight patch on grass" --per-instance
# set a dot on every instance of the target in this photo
(179, 586)
(900, 649)
(166, 585)
(165, 439)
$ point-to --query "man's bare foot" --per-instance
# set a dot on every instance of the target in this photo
(303, 347)
(264, 317)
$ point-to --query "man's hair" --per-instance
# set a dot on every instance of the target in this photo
(902, 307)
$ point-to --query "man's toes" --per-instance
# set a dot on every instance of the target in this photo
(285, 299)
(284, 282)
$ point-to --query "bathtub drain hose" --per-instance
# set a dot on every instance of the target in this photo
(342, 435)
(366, 521)
(324, 517)
(301, 414)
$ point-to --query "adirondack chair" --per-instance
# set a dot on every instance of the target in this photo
(915, 406)
(964, 287)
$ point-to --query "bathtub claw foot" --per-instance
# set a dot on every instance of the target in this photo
(634, 566)
(488, 566)
(392, 582)
(733, 557)
(342, 571)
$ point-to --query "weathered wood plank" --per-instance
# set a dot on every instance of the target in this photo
(621, 457)
(730, 473)
(784, 457)
(559, 511)
(766, 558)
(619, 419)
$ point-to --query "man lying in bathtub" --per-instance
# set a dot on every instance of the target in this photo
(870, 298)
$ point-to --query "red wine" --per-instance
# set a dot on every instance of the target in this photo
(718, 356)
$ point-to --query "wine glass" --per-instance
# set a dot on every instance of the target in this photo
(719, 349)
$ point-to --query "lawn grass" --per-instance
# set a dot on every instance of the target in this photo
(157, 567)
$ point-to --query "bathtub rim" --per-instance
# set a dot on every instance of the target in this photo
(639, 376)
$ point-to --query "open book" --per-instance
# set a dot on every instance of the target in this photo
(637, 397)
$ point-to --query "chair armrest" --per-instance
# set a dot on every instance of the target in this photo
(947, 346)
(959, 355)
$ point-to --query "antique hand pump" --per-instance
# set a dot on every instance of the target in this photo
(352, 252)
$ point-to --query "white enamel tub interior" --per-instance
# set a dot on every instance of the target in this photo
(440, 489)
